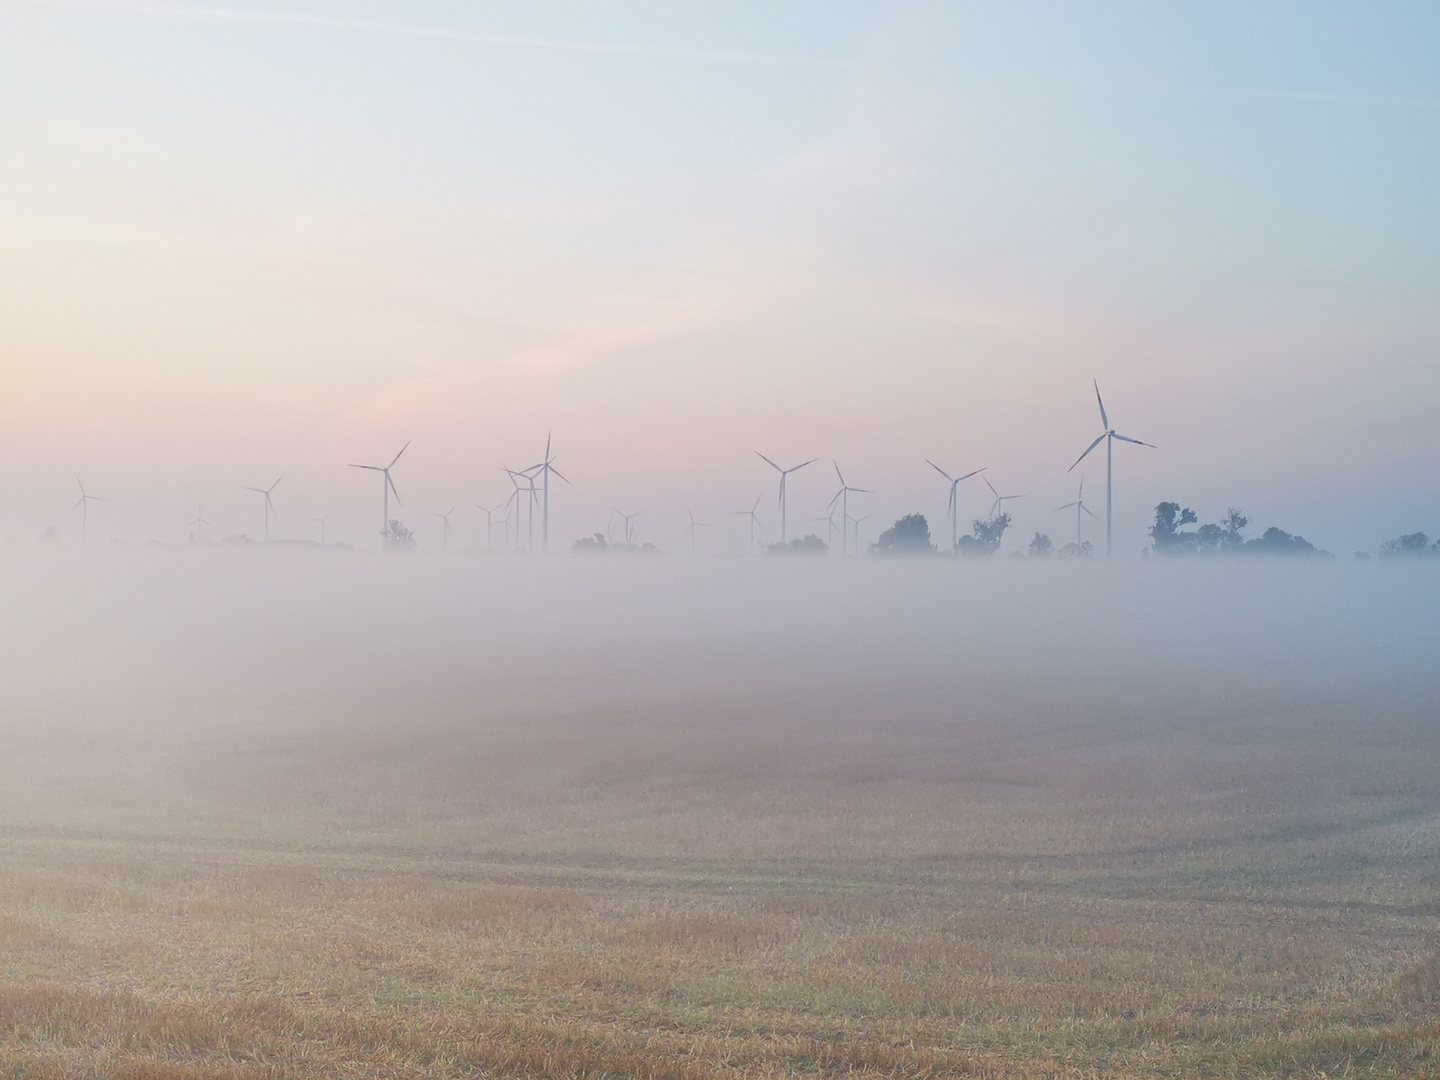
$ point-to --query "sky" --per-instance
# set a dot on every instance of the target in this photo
(259, 238)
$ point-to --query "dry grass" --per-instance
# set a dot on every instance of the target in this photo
(1023, 885)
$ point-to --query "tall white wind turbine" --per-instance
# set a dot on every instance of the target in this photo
(1108, 437)
(1080, 508)
(545, 468)
(269, 506)
(843, 498)
(386, 487)
(784, 475)
(83, 505)
(954, 504)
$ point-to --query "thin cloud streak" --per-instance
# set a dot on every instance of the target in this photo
(1313, 98)
(276, 18)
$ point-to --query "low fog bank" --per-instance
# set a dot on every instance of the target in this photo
(332, 703)
(198, 634)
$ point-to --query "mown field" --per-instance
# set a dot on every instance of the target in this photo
(365, 844)
(931, 877)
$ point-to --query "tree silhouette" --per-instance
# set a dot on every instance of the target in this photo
(985, 536)
(1409, 546)
(590, 545)
(810, 544)
(908, 536)
(1041, 547)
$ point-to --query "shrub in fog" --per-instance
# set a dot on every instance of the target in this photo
(908, 536)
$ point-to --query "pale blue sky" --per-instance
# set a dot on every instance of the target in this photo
(253, 238)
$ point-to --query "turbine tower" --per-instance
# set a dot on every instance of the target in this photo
(268, 504)
(83, 505)
(445, 521)
(843, 498)
(1000, 500)
(754, 520)
(954, 505)
(1080, 508)
(1108, 437)
(784, 475)
(386, 487)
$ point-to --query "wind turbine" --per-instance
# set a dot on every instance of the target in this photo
(856, 522)
(843, 498)
(200, 523)
(692, 527)
(321, 522)
(754, 520)
(629, 530)
(829, 520)
(1108, 437)
(83, 505)
(1000, 500)
(445, 520)
(386, 487)
(546, 467)
(268, 504)
(784, 475)
(1080, 508)
(529, 476)
(489, 511)
(954, 504)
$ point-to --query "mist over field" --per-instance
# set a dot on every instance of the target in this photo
(251, 663)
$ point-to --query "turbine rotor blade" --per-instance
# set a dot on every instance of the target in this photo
(1083, 456)
(1137, 442)
(1104, 420)
(1090, 512)
(769, 462)
(397, 456)
(941, 471)
(967, 476)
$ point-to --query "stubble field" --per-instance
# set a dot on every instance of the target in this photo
(851, 863)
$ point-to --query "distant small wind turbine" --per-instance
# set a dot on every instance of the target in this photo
(268, 504)
(489, 513)
(829, 520)
(1000, 500)
(954, 504)
(1108, 437)
(83, 505)
(200, 523)
(856, 522)
(784, 475)
(754, 520)
(445, 520)
(1080, 508)
(386, 487)
(321, 522)
(629, 528)
(692, 527)
(528, 475)
(843, 498)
